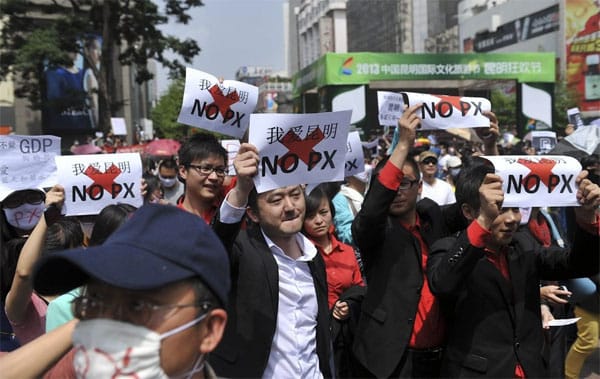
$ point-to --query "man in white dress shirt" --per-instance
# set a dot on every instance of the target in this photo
(279, 316)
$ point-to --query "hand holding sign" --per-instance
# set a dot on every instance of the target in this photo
(537, 181)
(491, 198)
(407, 126)
(437, 112)
(218, 105)
(246, 167)
(588, 195)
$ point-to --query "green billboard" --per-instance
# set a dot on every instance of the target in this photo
(362, 68)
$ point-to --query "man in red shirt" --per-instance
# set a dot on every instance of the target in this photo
(202, 166)
(401, 331)
(492, 272)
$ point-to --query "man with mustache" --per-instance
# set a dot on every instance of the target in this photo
(279, 315)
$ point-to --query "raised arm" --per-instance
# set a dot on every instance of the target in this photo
(19, 296)
(35, 358)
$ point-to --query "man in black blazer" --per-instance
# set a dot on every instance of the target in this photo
(400, 331)
(491, 272)
(278, 324)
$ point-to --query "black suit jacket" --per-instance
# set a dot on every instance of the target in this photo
(496, 323)
(392, 263)
(253, 302)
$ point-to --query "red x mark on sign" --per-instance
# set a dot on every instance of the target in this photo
(301, 147)
(223, 102)
(543, 169)
(102, 180)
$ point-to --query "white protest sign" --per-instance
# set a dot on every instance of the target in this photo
(219, 107)
(437, 112)
(27, 162)
(355, 158)
(119, 127)
(299, 148)
(92, 182)
(537, 181)
(232, 146)
(542, 140)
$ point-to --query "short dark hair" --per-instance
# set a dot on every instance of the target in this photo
(109, 219)
(200, 146)
(410, 160)
(170, 164)
(65, 233)
(469, 180)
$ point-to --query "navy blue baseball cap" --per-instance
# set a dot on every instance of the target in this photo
(158, 245)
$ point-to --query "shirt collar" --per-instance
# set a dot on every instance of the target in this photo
(309, 251)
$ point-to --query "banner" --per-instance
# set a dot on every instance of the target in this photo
(437, 112)
(92, 182)
(232, 146)
(355, 158)
(27, 162)
(582, 41)
(362, 68)
(299, 148)
(218, 107)
(537, 181)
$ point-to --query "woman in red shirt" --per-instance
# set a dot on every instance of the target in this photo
(341, 265)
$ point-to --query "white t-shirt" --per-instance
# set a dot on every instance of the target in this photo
(440, 192)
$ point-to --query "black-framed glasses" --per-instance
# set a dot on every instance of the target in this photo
(207, 169)
(136, 311)
(23, 197)
(407, 183)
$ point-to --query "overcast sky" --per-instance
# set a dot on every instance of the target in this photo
(231, 34)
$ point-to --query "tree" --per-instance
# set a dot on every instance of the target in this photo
(166, 111)
(37, 35)
(504, 106)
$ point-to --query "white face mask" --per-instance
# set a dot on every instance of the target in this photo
(167, 182)
(113, 349)
(25, 216)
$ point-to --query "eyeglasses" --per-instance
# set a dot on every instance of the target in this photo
(429, 161)
(207, 170)
(25, 197)
(407, 183)
(138, 312)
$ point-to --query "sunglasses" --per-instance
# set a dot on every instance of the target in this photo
(429, 161)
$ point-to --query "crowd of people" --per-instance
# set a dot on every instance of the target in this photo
(412, 268)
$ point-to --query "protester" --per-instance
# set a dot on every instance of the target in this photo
(172, 187)
(107, 221)
(279, 318)
(153, 190)
(340, 263)
(586, 297)
(350, 197)
(554, 296)
(202, 167)
(153, 300)
(434, 188)
(345, 286)
(400, 331)
(492, 274)
(25, 309)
